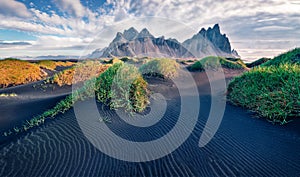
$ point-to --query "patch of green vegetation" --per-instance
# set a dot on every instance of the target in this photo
(257, 62)
(272, 92)
(215, 63)
(120, 86)
(51, 65)
(291, 57)
(165, 68)
(16, 72)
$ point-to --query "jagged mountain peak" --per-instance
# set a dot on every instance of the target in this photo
(216, 27)
(130, 34)
(145, 33)
(119, 38)
(208, 42)
(215, 36)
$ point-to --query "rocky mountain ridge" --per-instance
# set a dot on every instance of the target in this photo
(132, 43)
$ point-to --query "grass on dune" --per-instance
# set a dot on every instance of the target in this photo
(292, 56)
(52, 65)
(120, 86)
(165, 68)
(16, 72)
(272, 92)
(215, 63)
(80, 72)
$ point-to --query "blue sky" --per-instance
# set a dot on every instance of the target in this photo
(258, 28)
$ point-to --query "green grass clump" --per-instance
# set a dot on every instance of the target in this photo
(257, 62)
(16, 72)
(165, 68)
(217, 62)
(122, 86)
(291, 57)
(272, 92)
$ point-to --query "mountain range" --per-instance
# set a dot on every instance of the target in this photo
(132, 43)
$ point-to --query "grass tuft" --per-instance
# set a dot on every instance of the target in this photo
(215, 63)
(122, 86)
(272, 92)
(165, 68)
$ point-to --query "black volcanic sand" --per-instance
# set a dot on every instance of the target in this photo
(242, 146)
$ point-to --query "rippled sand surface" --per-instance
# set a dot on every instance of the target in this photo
(243, 145)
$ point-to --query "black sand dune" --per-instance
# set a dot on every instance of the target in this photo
(242, 146)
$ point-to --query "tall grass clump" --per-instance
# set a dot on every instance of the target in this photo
(122, 86)
(292, 57)
(165, 68)
(215, 63)
(272, 92)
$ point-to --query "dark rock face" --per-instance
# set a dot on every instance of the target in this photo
(139, 44)
(210, 42)
(214, 35)
(134, 44)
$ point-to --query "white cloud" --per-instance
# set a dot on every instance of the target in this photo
(13, 8)
(54, 42)
(74, 7)
(273, 28)
(29, 26)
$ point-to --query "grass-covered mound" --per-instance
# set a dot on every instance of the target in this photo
(120, 86)
(272, 92)
(165, 68)
(214, 63)
(257, 62)
(291, 57)
(80, 72)
(52, 65)
(16, 72)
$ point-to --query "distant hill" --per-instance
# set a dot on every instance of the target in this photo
(258, 62)
(143, 44)
(292, 56)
